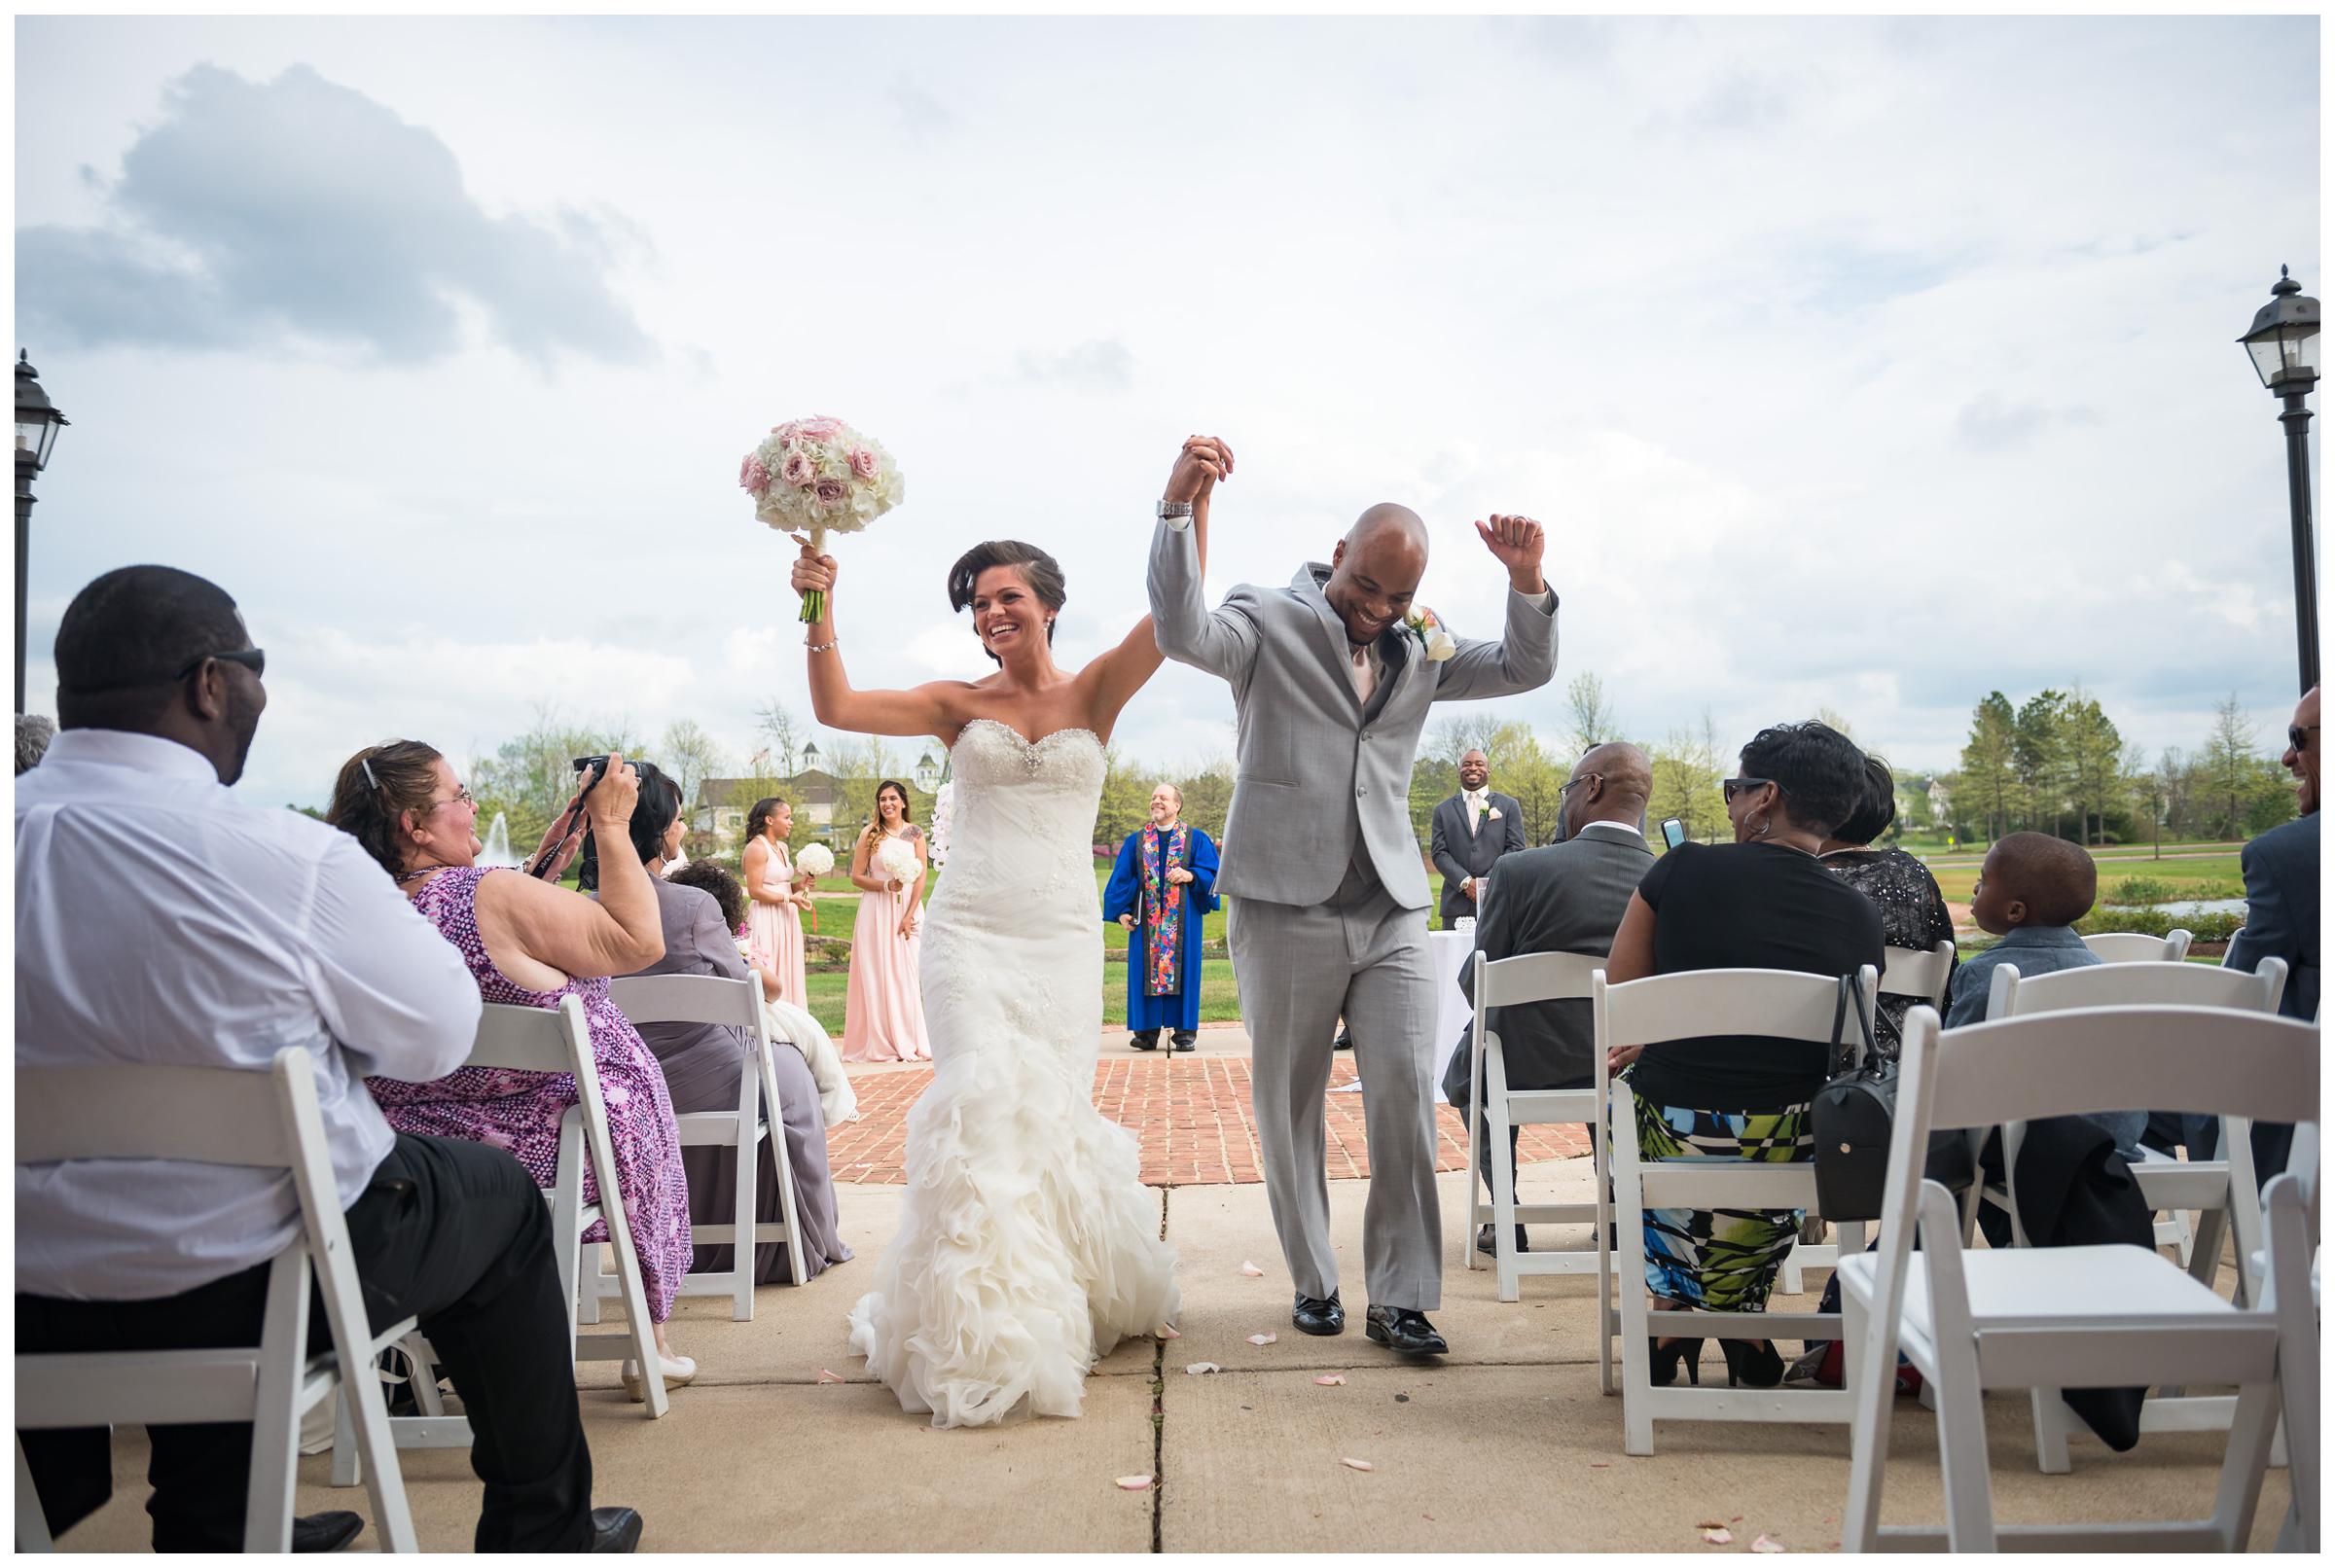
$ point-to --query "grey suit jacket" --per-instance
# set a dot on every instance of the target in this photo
(1564, 898)
(1320, 780)
(2282, 911)
(1459, 854)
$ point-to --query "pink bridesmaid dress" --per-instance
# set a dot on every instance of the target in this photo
(884, 1006)
(776, 930)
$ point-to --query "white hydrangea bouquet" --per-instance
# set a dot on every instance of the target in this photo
(816, 859)
(896, 858)
(810, 476)
(944, 823)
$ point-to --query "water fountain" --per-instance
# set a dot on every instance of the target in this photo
(498, 844)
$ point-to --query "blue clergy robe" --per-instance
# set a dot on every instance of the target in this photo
(1178, 1010)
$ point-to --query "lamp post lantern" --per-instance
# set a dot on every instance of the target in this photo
(2283, 344)
(38, 420)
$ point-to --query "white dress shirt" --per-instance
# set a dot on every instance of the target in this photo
(160, 919)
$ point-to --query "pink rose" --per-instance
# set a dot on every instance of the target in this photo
(818, 427)
(863, 462)
(797, 470)
(752, 476)
(830, 491)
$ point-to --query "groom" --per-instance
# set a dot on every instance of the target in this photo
(1329, 895)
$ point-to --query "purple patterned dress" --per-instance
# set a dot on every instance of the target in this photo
(520, 1111)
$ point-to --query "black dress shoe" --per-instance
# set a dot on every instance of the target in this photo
(1185, 1041)
(1318, 1314)
(1399, 1327)
(1344, 1042)
(325, 1532)
(614, 1529)
(1484, 1245)
(1144, 1042)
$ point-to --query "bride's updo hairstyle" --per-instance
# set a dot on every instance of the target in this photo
(1041, 571)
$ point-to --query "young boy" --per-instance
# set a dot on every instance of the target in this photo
(2030, 892)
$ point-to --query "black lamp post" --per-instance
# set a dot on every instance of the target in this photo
(2284, 343)
(37, 423)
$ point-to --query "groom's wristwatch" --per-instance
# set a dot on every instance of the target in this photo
(1176, 514)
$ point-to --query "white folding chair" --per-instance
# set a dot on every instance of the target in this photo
(221, 1117)
(542, 1040)
(1780, 1004)
(2088, 1317)
(647, 999)
(1923, 975)
(2134, 947)
(1497, 1108)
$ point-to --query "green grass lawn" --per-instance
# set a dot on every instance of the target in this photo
(2205, 876)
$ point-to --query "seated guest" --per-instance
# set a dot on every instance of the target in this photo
(255, 929)
(1763, 902)
(1563, 898)
(1912, 910)
(33, 736)
(528, 943)
(703, 1063)
(787, 1022)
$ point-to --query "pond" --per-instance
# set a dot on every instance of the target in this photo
(2184, 909)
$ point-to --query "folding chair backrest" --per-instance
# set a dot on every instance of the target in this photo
(1914, 972)
(688, 999)
(1782, 1003)
(2214, 1060)
(2013, 995)
(212, 1116)
(1533, 977)
(532, 1039)
(2136, 948)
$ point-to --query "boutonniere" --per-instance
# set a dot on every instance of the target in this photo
(1437, 643)
(1492, 815)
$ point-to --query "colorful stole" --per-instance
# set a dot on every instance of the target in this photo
(1163, 909)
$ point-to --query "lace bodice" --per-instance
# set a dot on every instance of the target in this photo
(1024, 816)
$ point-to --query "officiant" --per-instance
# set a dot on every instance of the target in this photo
(1164, 883)
(1469, 832)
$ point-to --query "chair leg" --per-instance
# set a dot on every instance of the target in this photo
(2286, 1291)
(2244, 1464)
(1477, 1210)
(787, 1172)
(2051, 1422)
(1792, 1282)
(744, 1159)
(33, 1524)
(275, 1417)
(1503, 1180)
(588, 1301)
(347, 1467)
(1869, 1364)
(1637, 1373)
(1961, 1444)
(1607, 1322)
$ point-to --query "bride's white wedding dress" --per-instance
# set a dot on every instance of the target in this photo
(1029, 1246)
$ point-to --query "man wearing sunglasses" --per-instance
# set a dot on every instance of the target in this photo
(161, 921)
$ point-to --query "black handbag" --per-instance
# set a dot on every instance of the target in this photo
(1851, 1118)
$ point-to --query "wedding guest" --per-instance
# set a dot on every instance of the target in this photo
(779, 896)
(2281, 912)
(1763, 902)
(788, 1023)
(1561, 898)
(1163, 885)
(1913, 908)
(1468, 834)
(884, 1008)
(703, 1064)
(529, 943)
(255, 929)
(33, 736)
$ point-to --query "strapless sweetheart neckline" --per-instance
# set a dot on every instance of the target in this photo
(1033, 745)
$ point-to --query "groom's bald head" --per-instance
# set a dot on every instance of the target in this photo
(1376, 569)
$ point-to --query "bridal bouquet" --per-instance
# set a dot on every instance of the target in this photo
(896, 858)
(810, 476)
(816, 859)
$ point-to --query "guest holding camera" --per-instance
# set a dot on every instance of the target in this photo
(883, 1006)
(529, 943)
(779, 896)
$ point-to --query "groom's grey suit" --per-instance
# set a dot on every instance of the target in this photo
(1328, 888)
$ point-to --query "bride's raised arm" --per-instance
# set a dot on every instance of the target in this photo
(1123, 670)
(922, 711)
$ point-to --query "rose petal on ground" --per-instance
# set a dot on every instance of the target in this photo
(826, 1377)
(1200, 1369)
(1252, 1271)
(1600, 1464)
(1263, 1339)
(1763, 1543)
(1135, 1484)
(1357, 1464)
(1718, 1535)
(1332, 1380)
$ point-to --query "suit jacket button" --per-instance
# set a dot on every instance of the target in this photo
(1361, 789)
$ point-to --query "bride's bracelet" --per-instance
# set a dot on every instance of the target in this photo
(821, 646)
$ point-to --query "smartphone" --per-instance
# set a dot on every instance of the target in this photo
(1673, 832)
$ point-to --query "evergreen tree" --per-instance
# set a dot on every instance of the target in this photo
(1989, 778)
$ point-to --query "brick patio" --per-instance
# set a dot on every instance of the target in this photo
(1190, 1116)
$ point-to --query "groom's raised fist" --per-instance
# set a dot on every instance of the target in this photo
(1516, 543)
(1204, 461)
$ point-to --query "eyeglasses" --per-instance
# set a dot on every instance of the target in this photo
(254, 659)
(1577, 778)
(1730, 787)
(2295, 734)
(461, 797)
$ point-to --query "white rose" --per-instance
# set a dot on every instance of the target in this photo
(1440, 645)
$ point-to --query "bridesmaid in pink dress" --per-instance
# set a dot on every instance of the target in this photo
(884, 1008)
(775, 921)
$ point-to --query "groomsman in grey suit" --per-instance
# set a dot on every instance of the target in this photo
(1331, 687)
(1562, 898)
(1469, 832)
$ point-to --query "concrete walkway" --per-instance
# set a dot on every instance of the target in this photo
(1506, 1445)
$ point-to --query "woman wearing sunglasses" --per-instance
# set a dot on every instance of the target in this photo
(1764, 902)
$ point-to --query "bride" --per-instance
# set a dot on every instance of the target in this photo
(1029, 1246)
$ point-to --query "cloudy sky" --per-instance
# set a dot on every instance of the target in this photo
(1869, 364)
